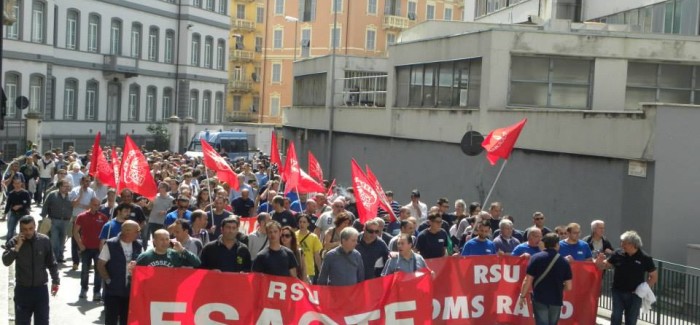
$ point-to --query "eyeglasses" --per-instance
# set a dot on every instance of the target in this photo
(286, 235)
(539, 218)
(372, 231)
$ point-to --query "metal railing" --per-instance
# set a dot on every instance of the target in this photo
(364, 89)
(395, 22)
(677, 295)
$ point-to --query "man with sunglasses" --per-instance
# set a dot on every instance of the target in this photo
(374, 252)
(538, 222)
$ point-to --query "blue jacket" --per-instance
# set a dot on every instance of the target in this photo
(116, 267)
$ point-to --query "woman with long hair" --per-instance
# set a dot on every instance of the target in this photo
(310, 245)
(332, 237)
(203, 200)
(289, 240)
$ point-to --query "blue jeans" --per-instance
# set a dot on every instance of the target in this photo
(627, 303)
(41, 187)
(58, 237)
(545, 314)
(12, 221)
(31, 301)
(88, 256)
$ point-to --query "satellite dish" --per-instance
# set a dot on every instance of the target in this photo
(471, 143)
(22, 102)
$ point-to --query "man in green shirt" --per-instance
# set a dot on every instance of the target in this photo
(163, 255)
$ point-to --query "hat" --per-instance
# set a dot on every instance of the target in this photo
(415, 193)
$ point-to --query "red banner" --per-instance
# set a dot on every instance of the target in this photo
(472, 290)
(248, 225)
(186, 296)
(365, 195)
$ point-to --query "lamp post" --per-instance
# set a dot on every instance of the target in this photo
(294, 20)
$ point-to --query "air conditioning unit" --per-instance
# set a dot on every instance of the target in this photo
(411, 16)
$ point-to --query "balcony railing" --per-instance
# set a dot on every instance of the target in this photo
(240, 86)
(121, 64)
(240, 116)
(241, 55)
(395, 22)
(242, 24)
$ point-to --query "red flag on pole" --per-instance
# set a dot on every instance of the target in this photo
(365, 194)
(499, 143)
(315, 170)
(383, 200)
(99, 167)
(275, 152)
(308, 185)
(93, 159)
(291, 170)
(116, 167)
(135, 173)
(215, 162)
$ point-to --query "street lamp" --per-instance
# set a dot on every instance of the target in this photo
(294, 20)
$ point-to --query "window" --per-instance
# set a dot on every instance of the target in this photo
(208, 52)
(237, 73)
(236, 103)
(93, 33)
(371, 40)
(151, 104)
(392, 7)
(70, 102)
(72, 29)
(197, 3)
(12, 31)
(550, 82)
(335, 37)
(305, 42)
(167, 103)
(196, 40)
(92, 90)
(257, 73)
(279, 7)
(390, 39)
(12, 91)
(277, 39)
(255, 105)
(223, 6)
(274, 106)
(115, 45)
(169, 45)
(136, 30)
(194, 103)
(277, 72)
(38, 21)
(448, 14)
(210, 5)
(412, 10)
(153, 39)
(221, 55)
(669, 83)
(36, 94)
(337, 6)
(219, 108)
(240, 11)
(430, 12)
(134, 102)
(206, 107)
(258, 44)
(440, 84)
(307, 10)
(260, 15)
(372, 7)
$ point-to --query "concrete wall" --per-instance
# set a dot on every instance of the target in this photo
(567, 188)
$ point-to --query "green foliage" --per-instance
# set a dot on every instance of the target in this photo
(161, 136)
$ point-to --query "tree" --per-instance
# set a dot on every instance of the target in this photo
(161, 136)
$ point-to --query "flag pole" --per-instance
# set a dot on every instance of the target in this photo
(483, 206)
(211, 205)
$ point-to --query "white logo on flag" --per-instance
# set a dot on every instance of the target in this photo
(132, 174)
(366, 192)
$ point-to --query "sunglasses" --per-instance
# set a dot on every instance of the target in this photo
(539, 218)
(370, 231)
(286, 235)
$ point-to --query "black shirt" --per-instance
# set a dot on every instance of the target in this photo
(275, 262)
(431, 245)
(285, 218)
(216, 219)
(242, 207)
(216, 256)
(630, 270)
(370, 254)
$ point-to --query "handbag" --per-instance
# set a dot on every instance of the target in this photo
(45, 226)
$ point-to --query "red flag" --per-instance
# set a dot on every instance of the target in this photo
(275, 152)
(116, 166)
(330, 189)
(365, 194)
(383, 200)
(291, 170)
(215, 162)
(95, 150)
(308, 185)
(135, 173)
(499, 143)
(315, 170)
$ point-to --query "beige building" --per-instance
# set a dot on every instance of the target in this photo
(302, 29)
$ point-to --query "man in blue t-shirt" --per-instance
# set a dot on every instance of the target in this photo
(531, 246)
(572, 248)
(113, 227)
(480, 245)
(182, 212)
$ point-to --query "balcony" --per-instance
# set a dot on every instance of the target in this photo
(242, 25)
(241, 55)
(120, 64)
(395, 22)
(239, 116)
(240, 86)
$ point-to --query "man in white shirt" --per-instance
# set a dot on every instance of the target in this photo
(80, 198)
(419, 210)
(47, 168)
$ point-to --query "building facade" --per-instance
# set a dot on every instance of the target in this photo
(113, 67)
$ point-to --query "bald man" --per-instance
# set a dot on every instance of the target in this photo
(167, 253)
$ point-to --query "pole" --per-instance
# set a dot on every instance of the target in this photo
(335, 42)
(494, 184)
(296, 30)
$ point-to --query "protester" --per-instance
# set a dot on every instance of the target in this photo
(33, 255)
(332, 237)
(408, 227)
(343, 265)
(374, 251)
(118, 253)
(531, 246)
(112, 228)
(80, 198)
(86, 232)
(275, 259)
(226, 254)
(597, 241)
(159, 208)
(433, 242)
(47, 170)
(181, 229)
(182, 212)
(199, 226)
(505, 241)
(258, 239)
(328, 218)
(407, 260)
(633, 267)
(281, 214)
(572, 248)
(216, 215)
(548, 275)
(480, 245)
(18, 204)
(167, 252)
(289, 240)
(418, 209)
(310, 245)
(496, 211)
(243, 206)
(538, 222)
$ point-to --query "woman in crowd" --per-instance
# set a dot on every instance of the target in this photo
(289, 240)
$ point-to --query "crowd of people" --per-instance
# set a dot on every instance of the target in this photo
(196, 221)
